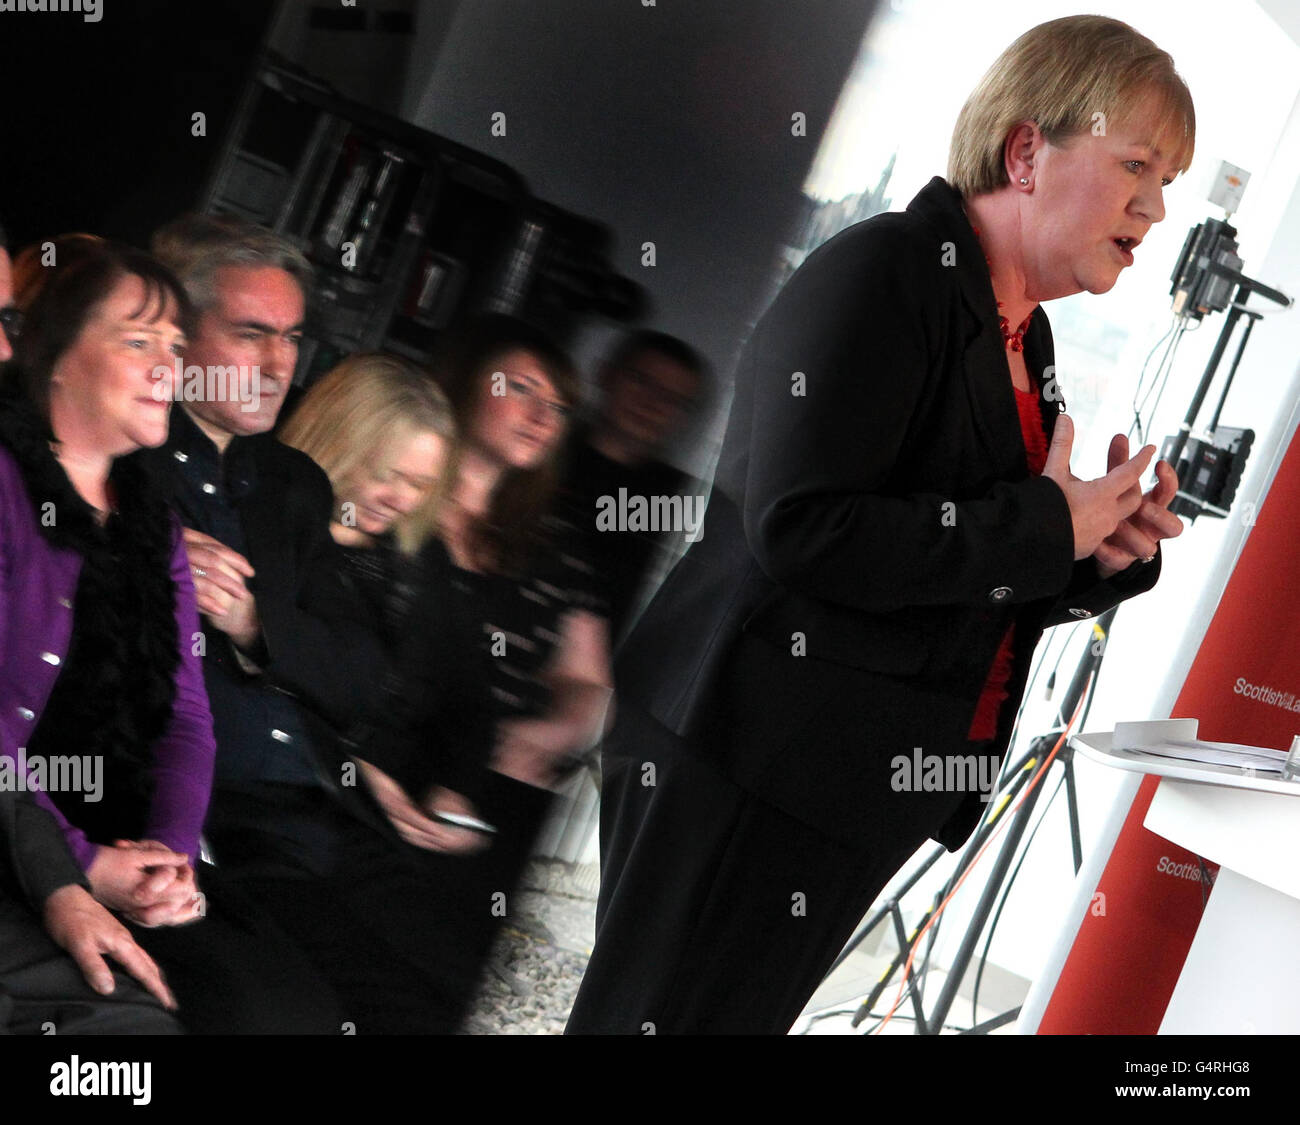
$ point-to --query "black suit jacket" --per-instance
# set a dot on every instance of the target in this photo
(872, 532)
(319, 652)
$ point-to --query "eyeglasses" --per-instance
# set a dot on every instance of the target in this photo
(559, 411)
(11, 320)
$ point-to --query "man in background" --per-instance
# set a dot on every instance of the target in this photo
(650, 386)
(290, 659)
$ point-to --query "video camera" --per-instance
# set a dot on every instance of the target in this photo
(1199, 287)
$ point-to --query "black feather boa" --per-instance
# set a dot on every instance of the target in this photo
(115, 692)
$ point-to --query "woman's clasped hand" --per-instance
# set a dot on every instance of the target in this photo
(147, 882)
(1115, 522)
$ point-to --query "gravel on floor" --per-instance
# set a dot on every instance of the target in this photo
(540, 955)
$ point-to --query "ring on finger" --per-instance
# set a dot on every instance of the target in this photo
(199, 572)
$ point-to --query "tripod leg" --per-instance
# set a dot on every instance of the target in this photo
(1019, 822)
(875, 920)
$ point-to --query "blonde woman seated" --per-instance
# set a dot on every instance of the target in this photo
(383, 433)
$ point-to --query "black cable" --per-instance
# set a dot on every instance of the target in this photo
(999, 785)
(912, 1019)
(830, 1012)
(1089, 693)
(920, 976)
(1024, 698)
(1006, 894)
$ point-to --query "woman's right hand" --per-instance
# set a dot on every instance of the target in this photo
(411, 824)
(1098, 506)
(89, 933)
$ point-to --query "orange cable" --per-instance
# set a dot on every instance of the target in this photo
(898, 999)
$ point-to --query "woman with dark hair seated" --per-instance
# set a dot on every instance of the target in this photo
(537, 602)
(53, 935)
(544, 622)
(99, 635)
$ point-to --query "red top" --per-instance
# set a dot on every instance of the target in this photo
(985, 723)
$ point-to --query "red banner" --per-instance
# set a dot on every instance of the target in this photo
(1244, 686)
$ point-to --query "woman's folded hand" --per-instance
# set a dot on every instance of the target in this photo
(148, 882)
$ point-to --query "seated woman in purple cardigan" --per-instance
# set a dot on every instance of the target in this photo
(102, 703)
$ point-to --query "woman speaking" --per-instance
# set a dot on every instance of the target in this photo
(893, 524)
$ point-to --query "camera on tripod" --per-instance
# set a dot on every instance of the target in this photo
(1209, 471)
(1210, 464)
(1198, 288)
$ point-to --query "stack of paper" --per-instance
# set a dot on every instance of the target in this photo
(1260, 759)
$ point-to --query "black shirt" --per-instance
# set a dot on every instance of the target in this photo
(434, 724)
(521, 618)
(260, 732)
(623, 558)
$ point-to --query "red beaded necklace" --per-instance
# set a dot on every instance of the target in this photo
(1014, 340)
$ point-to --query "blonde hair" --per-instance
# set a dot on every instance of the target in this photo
(1059, 75)
(347, 422)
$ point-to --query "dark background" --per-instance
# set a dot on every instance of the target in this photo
(668, 123)
(95, 117)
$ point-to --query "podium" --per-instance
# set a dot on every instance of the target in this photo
(1241, 975)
